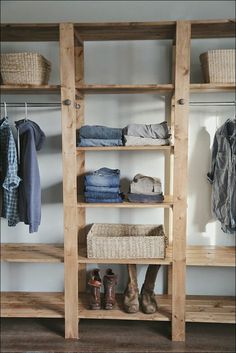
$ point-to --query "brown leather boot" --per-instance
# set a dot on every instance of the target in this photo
(109, 281)
(147, 300)
(131, 295)
(95, 286)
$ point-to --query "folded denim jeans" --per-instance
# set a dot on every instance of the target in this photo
(103, 177)
(155, 131)
(144, 141)
(91, 200)
(102, 188)
(145, 198)
(100, 132)
(89, 142)
(101, 195)
(143, 184)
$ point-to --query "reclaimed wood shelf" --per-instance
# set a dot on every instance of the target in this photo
(209, 309)
(167, 203)
(35, 253)
(212, 87)
(32, 304)
(125, 89)
(126, 148)
(34, 32)
(211, 255)
(196, 255)
(27, 89)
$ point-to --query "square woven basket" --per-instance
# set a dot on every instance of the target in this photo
(218, 66)
(126, 241)
(24, 69)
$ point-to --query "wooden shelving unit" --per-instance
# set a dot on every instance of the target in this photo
(175, 306)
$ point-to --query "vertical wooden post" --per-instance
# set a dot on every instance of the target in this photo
(169, 170)
(182, 77)
(67, 72)
(79, 79)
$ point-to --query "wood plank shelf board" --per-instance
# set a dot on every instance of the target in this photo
(213, 28)
(29, 32)
(198, 309)
(125, 89)
(32, 304)
(212, 87)
(33, 89)
(207, 255)
(209, 309)
(126, 148)
(36, 253)
(82, 258)
(34, 32)
(197, 255)
(167, 203)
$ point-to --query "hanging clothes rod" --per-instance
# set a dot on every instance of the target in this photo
(213, 104)
(77, 106)
(32, 105)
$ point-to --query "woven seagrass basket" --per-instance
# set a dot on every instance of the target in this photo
(123, 241)
(24, 69)
(218, 66)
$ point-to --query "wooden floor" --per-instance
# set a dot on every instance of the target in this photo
(103, 336)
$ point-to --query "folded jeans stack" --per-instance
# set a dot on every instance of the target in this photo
(98, 135)
(145, 189)
(102, 186)
(141, 134)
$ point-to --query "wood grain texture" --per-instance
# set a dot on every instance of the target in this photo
(168, 202)
(36, 253)
(40, 304)
(182, 77)
(124, 89)
(67, 71)
(212, 87)
(196, 255)
(30, 89)
(34, 32)
(125, 148)
(81, 212)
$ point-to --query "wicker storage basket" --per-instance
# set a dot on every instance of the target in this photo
(218, 66)
(24, 69)
(123, 241)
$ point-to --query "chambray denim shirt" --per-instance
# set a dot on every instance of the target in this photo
(9, 168)
(223, 176)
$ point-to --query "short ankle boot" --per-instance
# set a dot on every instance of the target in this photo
(109, 281)
(95, 286)
(147, 298)
(131, 295)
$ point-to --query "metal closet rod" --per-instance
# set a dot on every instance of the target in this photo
(77, 106)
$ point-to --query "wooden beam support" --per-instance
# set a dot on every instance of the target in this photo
(67, 66)
(182, 78)
(79, 79)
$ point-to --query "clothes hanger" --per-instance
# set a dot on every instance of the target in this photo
(26, 112)
(5, 110)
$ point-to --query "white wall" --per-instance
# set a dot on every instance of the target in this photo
(121, 62)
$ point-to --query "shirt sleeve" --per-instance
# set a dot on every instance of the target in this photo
(211, 174)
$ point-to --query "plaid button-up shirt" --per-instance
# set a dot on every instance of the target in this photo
(9, 177)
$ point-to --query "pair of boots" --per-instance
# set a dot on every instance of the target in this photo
(95, 283)
(146, 300)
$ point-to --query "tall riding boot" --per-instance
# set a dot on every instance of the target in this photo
(109, 281)
(131, 302)
(95, 286)
(148, 301)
